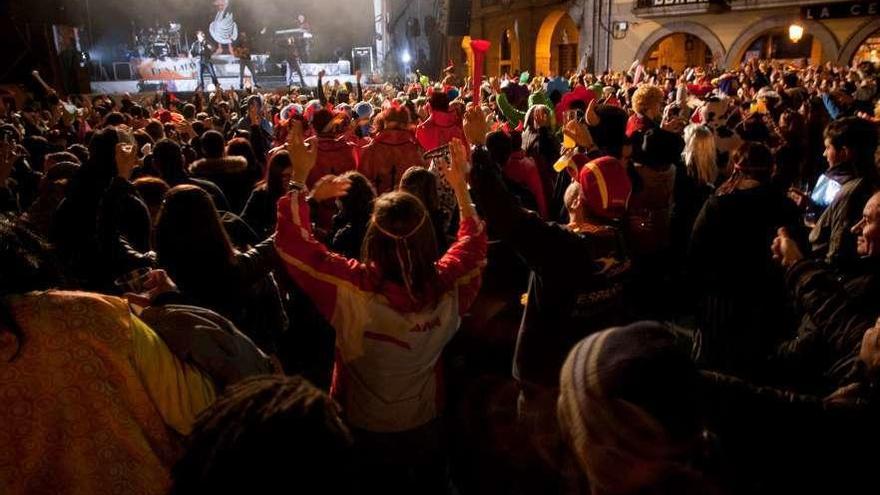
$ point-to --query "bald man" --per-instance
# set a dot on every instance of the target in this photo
(837, 308)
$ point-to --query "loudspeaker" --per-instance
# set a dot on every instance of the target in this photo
(362, 59)
(122, 71)
(459, 18)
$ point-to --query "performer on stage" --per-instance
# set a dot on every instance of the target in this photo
(202, 49)
(293, 58)
(223, 29)
(243, 53)
(306, 52)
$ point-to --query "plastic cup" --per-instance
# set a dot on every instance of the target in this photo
(133, 281)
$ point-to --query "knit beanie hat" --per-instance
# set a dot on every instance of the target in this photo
(363, 110)
(628, 403)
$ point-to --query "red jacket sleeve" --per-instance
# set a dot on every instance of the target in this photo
(462, 265)
(317, 271)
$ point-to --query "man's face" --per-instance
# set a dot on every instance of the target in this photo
(834, 155)
(200, 36)
(868, 229)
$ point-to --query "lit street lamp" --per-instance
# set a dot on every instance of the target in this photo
(795, 32)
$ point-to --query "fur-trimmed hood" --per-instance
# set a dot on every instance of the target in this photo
(214, 166)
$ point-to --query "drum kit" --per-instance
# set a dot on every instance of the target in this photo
(160, 42)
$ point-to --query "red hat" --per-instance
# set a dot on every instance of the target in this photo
(606, 188)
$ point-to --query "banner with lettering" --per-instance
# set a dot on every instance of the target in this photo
(154, 69)
(840, 10)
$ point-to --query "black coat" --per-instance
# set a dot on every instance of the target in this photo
(577, 281)
(837, 310)
(99, 232)
(741, 304)
(245, 292)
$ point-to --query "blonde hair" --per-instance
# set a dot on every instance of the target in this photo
(647, 97)
(700, 154)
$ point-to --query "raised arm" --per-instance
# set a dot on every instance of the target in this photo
(524, 230)
(337, 285)
(462, 264)
(320, 90)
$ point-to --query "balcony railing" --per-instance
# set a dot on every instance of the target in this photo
(664, 8)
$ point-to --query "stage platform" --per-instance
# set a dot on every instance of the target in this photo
(181, 74)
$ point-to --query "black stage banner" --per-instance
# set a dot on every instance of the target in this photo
(840, 10)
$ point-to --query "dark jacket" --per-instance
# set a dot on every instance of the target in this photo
(209, 187)
(836, 312)
(742, 304)
(831, 238)
(230, 174)
(577, 281)
(260, 212)
(99, 233)
(348, 234)
(246, 293)
(778, 441)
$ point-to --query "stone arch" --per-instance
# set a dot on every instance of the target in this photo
(696, 29)
(544, 41)
(857, 38)
(830, 46)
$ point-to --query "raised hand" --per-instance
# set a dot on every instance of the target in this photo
(457, 169)
(126, 159)
(303, 152)
(158, 282)
(578, 133)
(475, 125)
(785, 250)
(330, 187)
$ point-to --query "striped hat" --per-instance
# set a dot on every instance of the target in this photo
(628, 407)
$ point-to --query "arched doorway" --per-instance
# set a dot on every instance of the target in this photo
(869, 50)
(678, 51)
(863, 45)
(768, 38)
(684, 35)
(556, 49)
(776, 45)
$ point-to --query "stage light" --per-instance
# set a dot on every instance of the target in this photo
(405, 57)
(795, 32)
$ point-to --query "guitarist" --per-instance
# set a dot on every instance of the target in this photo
(242, 52)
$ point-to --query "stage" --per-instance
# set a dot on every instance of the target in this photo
(180, 74)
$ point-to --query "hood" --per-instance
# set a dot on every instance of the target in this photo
(224, 165)
(337, 143)
(395, 137)
(443, 119)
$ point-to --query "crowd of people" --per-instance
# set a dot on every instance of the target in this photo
(640, 282)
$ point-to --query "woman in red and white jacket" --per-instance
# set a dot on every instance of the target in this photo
(393, 311)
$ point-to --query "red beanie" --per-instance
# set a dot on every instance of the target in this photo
(606, 188)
